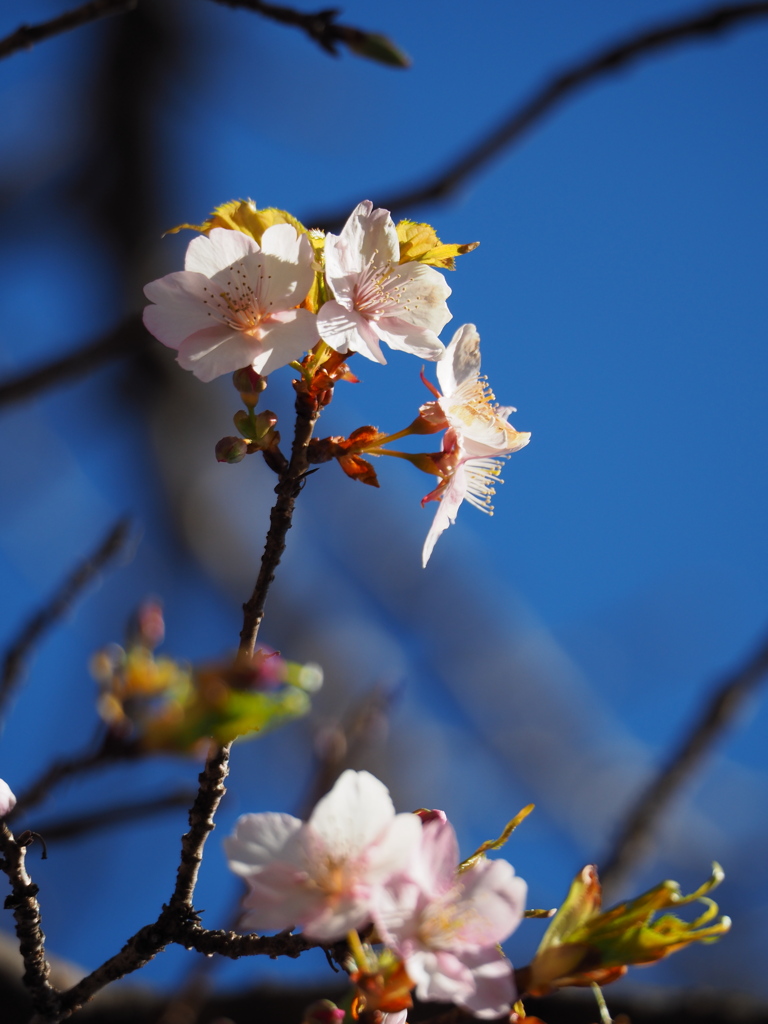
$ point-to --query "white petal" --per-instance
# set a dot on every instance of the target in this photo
(494, 984)
(347, 331)
(446, 513)
(217, 350)
(416, 294)
(208, 254)
(396, 849)
(287, 270)
(286, 340)
(353, 815)
(404, 336)
(258, 840)
(461, 360)
(180, 309)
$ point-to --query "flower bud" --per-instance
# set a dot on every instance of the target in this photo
(231, 449)
(323, 1012)
(250, 384)
(7, 799)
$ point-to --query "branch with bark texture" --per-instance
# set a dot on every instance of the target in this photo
(15, 661)
(545, 99)
(26, 36)
(635, 835)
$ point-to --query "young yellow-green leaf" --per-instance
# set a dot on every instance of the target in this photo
(419, 242)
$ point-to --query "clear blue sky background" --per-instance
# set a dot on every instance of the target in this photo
(552, 653)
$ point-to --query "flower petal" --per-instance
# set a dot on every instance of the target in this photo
(494, 984)
(461, 360)
(446, 513)
(258, 840)
(287, 273)
(286, 338)
(347, 331)
(399, 334)
(180, 308)
(217, 350)
(353, 815)
(208, 254)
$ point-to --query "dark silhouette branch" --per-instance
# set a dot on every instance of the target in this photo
(63, 829)
(129, 337)
(18, 654)
(559, 88)
(26, 36)
(635, 835)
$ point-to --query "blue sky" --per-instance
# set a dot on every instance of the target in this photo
(549, 654)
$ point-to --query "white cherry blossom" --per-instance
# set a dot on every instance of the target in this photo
(446, 924)
(377, 298)
(7, 798)
(322, 875)
(234, 303)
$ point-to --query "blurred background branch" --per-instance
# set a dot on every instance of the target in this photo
(27, 35)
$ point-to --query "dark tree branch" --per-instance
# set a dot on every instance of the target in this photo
(26, 36)
(129, 337)
(26, 912)
(547, 98)
(63, 829)
(16, 658)
(635, 834)
(322, 28)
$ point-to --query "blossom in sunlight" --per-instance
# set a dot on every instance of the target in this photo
(323, 874)
(478, 434)
(376, 298)
(446, 923)
(7, 799)
(585, 944)
(234, 304)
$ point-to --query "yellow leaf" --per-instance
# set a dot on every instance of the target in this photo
(242, 215)
(419, 242)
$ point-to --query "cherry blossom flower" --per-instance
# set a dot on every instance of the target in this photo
(376, 298)
(477, 430)
(7, 799)
(323, 875)
(234, 303)
(446, 924)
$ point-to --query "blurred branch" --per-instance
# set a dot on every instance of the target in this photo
(26, 36)
(323, 29)
(550, 95)
(635, 834)
(127, 338)
(20, 650)
(71, 827)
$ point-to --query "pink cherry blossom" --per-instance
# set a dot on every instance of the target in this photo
(446, 924)
(376, 297)
(323, 875)
(7, 799)
(234, 303)
(477, 429)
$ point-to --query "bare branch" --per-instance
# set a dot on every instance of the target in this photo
(323, 29)
(26, 36)
(26, 911)
(128, 338)
(635, 834)
(121, 814)
(547, 98)
(14, 663)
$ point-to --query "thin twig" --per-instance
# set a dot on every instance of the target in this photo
(67, 768)
(16, 658)
(128, 338)
(26, 36)
(63, 829)
(559, 88)
(322, 28)
(281, 517)
(26, 911)
(635, 834)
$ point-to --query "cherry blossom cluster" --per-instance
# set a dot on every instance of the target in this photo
(259, 291)
(357, 866)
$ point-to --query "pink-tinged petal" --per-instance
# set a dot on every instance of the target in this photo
(285, 338)
(287, 270)
(337, 917)
(353, 815)
(347, 331)
(417, 296)
(279, 897)
(396, 910)
(440, 977)
(180, 308)
(497, 901)
(7, 798)
(438, 857)
(399, 334)
(396, 849)
(217, 350)
(367, 235)
(461, 360)
(208, 254)
(495, 990)
(446, 512)
(259, 839)
(493, 437)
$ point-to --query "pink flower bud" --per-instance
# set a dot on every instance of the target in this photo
(231, 449)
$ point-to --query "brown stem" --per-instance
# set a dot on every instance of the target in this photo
(634, 836)
(561, 87)
(26, 911)
(27, 35)
(17, 655)
(281, 516)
